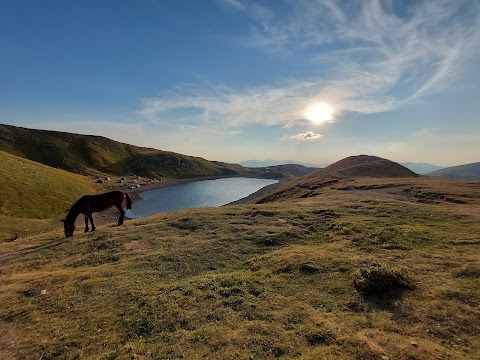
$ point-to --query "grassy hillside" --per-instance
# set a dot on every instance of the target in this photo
(172, 165)
(258, 281)
(93, 155)
(29, 190)
(467, 172)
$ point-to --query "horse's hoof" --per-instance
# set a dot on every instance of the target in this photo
(93, 229)
(86, 230)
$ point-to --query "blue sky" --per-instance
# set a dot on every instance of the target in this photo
(231, 80)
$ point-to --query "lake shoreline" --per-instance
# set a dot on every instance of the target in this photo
(111, 215)
(135, 193)
(259, 193)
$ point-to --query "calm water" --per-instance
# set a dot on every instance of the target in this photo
(207, 193)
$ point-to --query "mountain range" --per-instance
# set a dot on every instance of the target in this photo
(97, 156)
(420, 168)
(268, 163)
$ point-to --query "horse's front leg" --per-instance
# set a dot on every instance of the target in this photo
(91, 220)
(122, 215)
(86, 223)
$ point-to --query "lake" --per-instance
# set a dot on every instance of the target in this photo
(198, 194)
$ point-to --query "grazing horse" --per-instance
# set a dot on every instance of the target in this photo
(89, 204)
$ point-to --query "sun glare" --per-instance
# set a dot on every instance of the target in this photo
(319, 113)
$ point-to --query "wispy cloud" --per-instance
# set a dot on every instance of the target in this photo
(365, 57)
(223, 104)
(309, 135)
(234, 4)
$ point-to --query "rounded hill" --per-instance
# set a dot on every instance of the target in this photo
(364, 165)
(345, 170)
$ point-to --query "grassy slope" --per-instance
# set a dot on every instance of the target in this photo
(29, 190)
(227, 282)
(95, 155)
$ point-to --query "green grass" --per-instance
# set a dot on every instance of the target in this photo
(231, 282)
(29, 190)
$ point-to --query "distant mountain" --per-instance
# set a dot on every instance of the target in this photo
(94, 155)
(467, 172)
(267, 163)
(421, 168)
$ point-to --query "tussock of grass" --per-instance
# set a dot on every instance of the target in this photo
(378, 281)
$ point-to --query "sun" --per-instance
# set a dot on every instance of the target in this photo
(319, 113)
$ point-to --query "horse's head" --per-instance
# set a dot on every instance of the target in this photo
(69, 227)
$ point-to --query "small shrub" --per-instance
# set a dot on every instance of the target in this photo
(378, 281)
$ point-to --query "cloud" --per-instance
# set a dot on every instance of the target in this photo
(265, 105)
(234, 4)
(363, 57)
(309, 135)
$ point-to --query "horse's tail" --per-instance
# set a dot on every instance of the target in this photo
(129, 201)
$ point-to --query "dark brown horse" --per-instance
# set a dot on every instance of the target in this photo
(89, 204)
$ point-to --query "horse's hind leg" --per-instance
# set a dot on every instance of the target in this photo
(122, 215)
(91, 220)
(86, 223)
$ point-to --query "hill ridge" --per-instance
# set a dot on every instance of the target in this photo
(469, 171)
(364, 165)
(98, 155)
